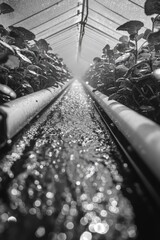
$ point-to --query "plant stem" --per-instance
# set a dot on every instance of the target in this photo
(129, 72)
(136, 55)
(154, 22)
(142, 46)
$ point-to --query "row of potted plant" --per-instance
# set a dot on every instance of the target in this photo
(128, 73)
(26, 64)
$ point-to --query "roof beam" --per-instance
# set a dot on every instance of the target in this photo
(104, 16)
(59, 40)
(104, 6)
(62, 30)
(95, 34)
(64, 43)
(38, 12)
(64, 21)
(94, 40)
(136, 4)
(101, 32)
(53, 18)
(103, 25)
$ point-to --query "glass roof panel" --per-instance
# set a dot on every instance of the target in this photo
(58, 28)
(56, 20)
(59, 22)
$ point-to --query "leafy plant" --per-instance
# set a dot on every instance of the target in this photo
(133, 78)
(5, 8)
(26, 65)
(132, 27)
(152, 7)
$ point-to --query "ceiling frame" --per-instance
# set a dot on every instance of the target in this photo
(24, 19)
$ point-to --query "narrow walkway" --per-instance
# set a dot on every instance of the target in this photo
(62, 179)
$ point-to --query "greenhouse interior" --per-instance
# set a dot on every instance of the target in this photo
(80, 119)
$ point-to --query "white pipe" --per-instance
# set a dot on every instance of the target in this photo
(142, 133)
(22, 110)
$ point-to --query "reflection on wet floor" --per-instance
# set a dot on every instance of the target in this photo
(60, 181)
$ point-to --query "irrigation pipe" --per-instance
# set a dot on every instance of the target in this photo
(142, 133)
(16, 114)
